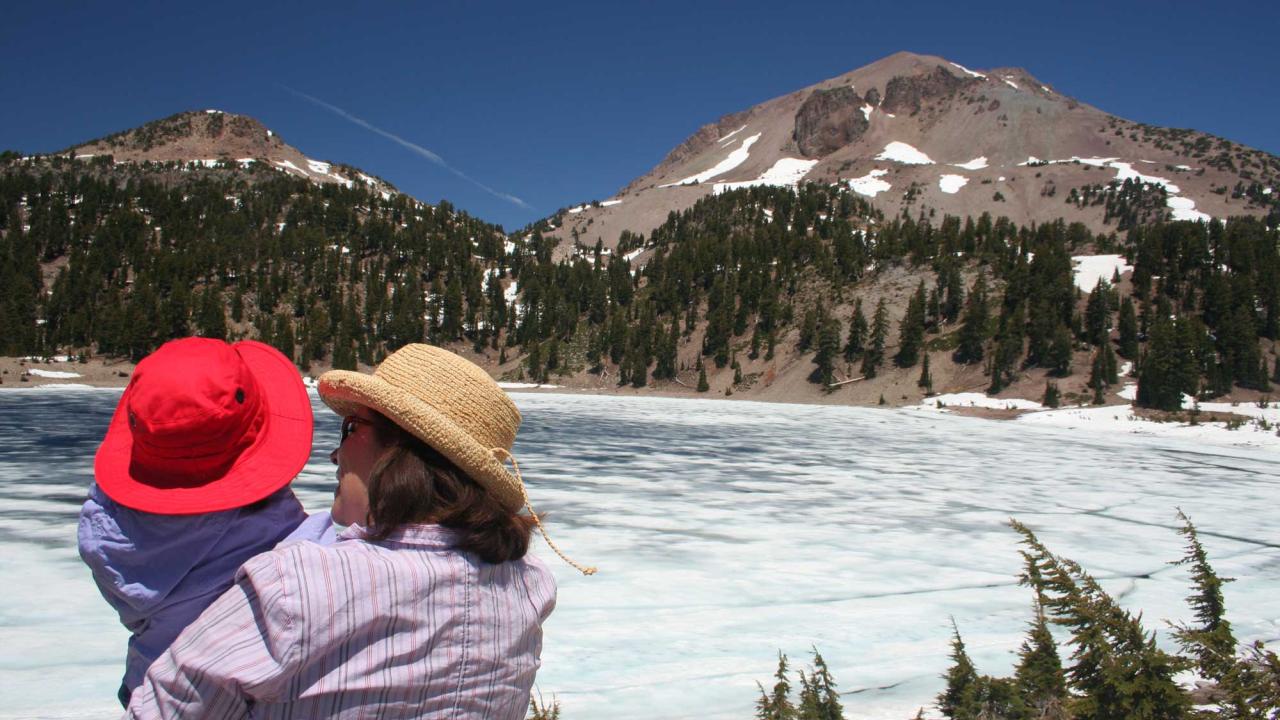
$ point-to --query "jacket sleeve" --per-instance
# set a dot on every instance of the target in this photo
(242, 649)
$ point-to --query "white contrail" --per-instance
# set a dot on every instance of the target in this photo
(416, 148)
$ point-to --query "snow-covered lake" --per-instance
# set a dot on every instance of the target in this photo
(724, 532)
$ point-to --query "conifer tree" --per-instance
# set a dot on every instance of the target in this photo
(973, 333)
(911, 330)
(1168, 367)
(1058, 359)
(1098, 314)
(1098, 377)
(1211, 641)
(926, 379)
(703, 385)
(874, 355)
(959, 701)
(1039, 676)
(1118, 673)
(828, 348)
(1052, 397)
(1004, 361)
(854, 348)
(775, 704)
(818, 697)
(808, 330)
(1128, 330)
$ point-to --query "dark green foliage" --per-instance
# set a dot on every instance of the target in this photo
(1041, 683)
(151, 255)
(1118, 673)
(1097, 314)
(973, 334)
(926, 379)
(858, 330)
(873, 358)
(776, 704)
(1128, 330)
(1058, 359)
(703, 385)
(1210, 641)
(959, 700)
(1170, 366)
(1052, 397)
(828, 348)
(818, 698)
(911, 330)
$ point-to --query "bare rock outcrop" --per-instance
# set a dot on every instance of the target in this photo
(828, 120)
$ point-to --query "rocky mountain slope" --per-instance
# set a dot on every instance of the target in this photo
(923, 134)
(210, 138)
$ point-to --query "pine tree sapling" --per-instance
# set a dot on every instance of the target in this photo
(1211, 641)
(959, 701)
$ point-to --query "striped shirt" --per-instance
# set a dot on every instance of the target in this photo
(406, 627)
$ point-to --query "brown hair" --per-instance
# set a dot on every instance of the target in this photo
(411, 482)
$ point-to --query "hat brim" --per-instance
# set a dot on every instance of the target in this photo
(277, 455)
(345, 391)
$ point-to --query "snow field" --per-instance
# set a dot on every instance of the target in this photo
(1089, 269)
(787, 172)
(870, 184)
(951, 184)
(977, 163)
(725, 532)
(733, 160)
(903, 153)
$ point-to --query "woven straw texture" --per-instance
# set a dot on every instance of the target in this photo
(446, 401)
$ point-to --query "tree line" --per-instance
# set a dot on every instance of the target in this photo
(344, 275)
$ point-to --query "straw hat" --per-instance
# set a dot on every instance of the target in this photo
(446, 401)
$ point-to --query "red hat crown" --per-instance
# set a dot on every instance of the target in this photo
(195, 407)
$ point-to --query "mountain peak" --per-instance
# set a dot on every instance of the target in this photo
(921, 133)
(211, 136)
(189, 135)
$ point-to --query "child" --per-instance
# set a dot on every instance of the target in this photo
(191, 480)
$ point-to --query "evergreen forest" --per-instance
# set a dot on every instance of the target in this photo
(113, 260)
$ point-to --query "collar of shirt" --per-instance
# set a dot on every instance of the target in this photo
(424, 535)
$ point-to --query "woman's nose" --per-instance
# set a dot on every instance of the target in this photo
(333, 456)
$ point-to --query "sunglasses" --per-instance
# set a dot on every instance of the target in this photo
(349, 425)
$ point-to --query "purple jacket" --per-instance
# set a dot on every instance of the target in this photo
(160, 572)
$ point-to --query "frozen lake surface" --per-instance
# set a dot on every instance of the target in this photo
(724, 532)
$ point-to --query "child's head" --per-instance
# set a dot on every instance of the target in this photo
(205, 426)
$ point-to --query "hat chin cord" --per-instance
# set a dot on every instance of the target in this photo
(501, 453)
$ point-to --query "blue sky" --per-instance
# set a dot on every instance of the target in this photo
(536, 106)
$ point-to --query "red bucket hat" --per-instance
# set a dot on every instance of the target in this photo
(205, 426)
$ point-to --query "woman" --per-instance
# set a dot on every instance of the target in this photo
(427, 606)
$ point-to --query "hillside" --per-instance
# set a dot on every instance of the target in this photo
(809, 294)
(918, 133)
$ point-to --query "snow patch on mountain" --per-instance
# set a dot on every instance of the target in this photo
(904, 153)
(1089, 269)
(977, 163)
(870, 184)
(968, 71)
(1010, 83)
(787, 172)
(725, 139)
(1125, 171)
(734, 159)
(866, 111)
(1185, 209)
(951, 184)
